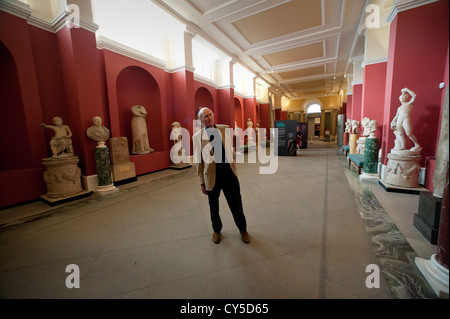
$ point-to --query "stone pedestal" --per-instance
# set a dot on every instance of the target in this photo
(372, 145)
(346, 138)
(403, 168)
(123, 170)
(63, 179)
(360, 145)
(426, 221)
(340, 129)
(353, 138)
(102, 161)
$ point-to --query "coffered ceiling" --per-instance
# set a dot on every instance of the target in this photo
(301, 47)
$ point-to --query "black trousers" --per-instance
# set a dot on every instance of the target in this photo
(229, 183)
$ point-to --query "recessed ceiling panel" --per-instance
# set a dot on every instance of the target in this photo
(305, 52)
(308, 85)
(205, 6)
(291, 17)
(302, 72)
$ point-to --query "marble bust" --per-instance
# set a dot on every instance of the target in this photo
(141, 144)
(354, 129)
(365, 124)
(98, 132)
(348, 126)
(61, 143)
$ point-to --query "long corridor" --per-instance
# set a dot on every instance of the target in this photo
(314, 229)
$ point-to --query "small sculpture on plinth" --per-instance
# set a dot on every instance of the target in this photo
(61, 143)
(141, 144)
(100, 134)
(62, 175)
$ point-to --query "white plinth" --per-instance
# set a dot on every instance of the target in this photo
(435, 274)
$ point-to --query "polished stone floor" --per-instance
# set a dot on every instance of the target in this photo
(315, 228)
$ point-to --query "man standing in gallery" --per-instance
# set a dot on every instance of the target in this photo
(216, 171)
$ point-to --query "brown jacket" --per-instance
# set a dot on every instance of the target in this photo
(206, 167)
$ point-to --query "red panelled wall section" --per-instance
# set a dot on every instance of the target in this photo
(45, 74)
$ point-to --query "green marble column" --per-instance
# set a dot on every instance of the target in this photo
(103, 166)
(371, 155)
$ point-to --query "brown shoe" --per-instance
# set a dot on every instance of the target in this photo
(216, 238)
(245, 237)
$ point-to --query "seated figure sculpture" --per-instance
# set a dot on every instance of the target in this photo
(401, 123)
(61, 143)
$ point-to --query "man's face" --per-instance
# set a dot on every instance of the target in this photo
(208, 118)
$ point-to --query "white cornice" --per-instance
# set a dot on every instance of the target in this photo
(111, 45)
(374, 61)
(16, 8)
(204, 80)
(180, 68)
(23, 11)
(403, 5)
(356, 83)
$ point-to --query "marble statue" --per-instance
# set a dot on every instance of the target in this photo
(62, 174)
(139, 130)
(354, 129)
(98, 132)
(177, 153)
(61, 143)
(401, 123)
(348, 125)
(365, 124)
(373, 125)
(250, 130)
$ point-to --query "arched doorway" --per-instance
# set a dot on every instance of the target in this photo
(313, 110)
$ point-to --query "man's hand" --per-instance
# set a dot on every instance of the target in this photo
(204, 191)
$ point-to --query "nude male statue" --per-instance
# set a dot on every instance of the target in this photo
(401, 123)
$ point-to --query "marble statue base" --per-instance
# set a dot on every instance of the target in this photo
(124, 173)
(403, 168)
(352, 143)
(104, 175)
(435, 274)
(346, 138)
(426, 221)
(360, 145)
(371, 148)
(62, 176)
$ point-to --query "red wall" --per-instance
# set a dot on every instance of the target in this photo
(373, 94)
(357, 102)
(348, 113)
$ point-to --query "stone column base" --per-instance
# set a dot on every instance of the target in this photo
(435, 274)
